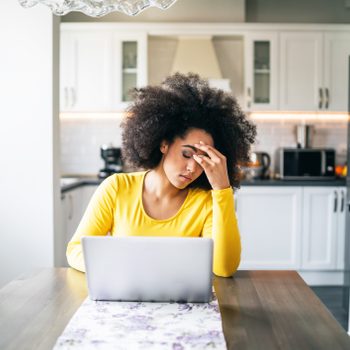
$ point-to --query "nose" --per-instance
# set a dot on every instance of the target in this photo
(191, 166)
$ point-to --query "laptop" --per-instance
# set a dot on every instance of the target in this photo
(160, 269)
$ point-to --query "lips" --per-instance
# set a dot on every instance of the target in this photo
(186, 177)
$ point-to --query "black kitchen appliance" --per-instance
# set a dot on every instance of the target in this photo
(307, 163)
(112, 159)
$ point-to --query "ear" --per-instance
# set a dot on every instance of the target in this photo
(164, 146)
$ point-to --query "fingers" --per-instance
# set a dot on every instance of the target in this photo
(204, 161)
(213, 153)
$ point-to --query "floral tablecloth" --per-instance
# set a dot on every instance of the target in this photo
(144, 325)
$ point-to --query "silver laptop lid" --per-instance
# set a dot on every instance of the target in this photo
(149, 268)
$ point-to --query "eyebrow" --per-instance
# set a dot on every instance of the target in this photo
(190, 146)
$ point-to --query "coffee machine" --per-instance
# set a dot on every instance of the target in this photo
(112, 159)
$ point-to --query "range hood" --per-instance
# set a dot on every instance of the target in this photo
(197, 55)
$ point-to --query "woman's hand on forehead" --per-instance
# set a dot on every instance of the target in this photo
(214, 165)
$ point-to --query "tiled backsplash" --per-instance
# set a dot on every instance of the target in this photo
(275, 134)
(80, 143)
(81, 140)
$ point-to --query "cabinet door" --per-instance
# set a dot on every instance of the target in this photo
(320, 228)
(269, 220)
(336, 71)
(66, 71)
(301, 67)
(341, 229)
(86, 71)
(129, 67)
(61, 240)
(74, 211)
(261, 71)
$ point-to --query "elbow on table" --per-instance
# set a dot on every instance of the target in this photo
(226, 271)
(74, 257)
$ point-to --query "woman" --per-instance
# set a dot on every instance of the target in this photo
(190, 138)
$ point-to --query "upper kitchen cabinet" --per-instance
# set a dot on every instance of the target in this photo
(98, 68)
(301, 67)
(314, 70)
(85, 71)
(129, 67)
(336, 70)
(261, 69)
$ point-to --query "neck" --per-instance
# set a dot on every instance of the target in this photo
(157, 184)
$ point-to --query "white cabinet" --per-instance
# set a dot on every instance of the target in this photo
(72, 211)
(301, 65)
(261, 71)
(269, 219)
(86, 69)
(300, 228)
(98, 67)
(314, 70)
(323, 228)
(129, 67)
(73, 205)
(336, 70)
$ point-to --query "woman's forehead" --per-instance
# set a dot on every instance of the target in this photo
(197, 135)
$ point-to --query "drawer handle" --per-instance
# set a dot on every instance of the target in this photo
(320, 101)
(249, 93)
(335, 201)
(327, 98)
(342, 201)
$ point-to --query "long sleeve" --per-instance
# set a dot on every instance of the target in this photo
(221, 224)
(97, 221)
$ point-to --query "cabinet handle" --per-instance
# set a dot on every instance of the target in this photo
(320, 101)
(327, 98)
(249, 93)
(335, 201)
(73, 94)
(342, 201)
(66, 97)
(70, 214)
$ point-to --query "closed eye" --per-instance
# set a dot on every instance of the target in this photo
(187, 155)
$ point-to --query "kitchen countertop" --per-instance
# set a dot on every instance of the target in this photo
(70, 183)
(259, 310)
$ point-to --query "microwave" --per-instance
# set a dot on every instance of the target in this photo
(307, 163)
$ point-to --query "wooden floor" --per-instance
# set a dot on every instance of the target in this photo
(336, 300)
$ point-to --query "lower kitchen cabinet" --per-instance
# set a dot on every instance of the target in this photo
(269, 219)
(322, 226)
(300, 228)
(74, 203)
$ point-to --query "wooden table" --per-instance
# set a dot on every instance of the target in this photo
(260, 310)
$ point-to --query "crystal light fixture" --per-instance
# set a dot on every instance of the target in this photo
(99, 8)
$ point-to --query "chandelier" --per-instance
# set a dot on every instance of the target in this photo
(99, 8)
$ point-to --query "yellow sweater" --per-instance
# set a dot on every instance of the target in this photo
(116, 208)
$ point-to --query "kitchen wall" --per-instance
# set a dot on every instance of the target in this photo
(235, 11)
(29, 154)
(81, 138)
(298, 11)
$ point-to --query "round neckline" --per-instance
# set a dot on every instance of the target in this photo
(160, 220)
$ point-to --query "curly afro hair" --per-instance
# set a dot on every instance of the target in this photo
(180, 103)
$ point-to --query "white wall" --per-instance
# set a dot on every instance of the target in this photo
(298, 11)
(29, 191)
